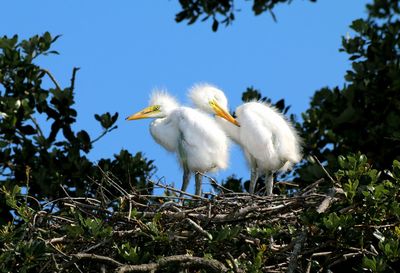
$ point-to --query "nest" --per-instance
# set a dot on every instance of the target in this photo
(179, 232)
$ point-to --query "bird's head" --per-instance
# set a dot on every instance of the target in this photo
(161, 104)
(211, 100)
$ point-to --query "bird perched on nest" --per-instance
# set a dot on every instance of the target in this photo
(198, 141)
(269, 141)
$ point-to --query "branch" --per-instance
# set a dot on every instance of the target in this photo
(103, 134)
(296, 252)
(178, 191)
(52, 78)
(182, 261)
(74, 70)
(57, 240)
(213, 182)
(40, 132)
(235, 267)
(138, 268)
(325, 171)
(82, 256)
(344, 258)
(310, 187)
(327, 201)
(199, 228)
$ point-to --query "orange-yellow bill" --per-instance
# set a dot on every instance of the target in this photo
(145, 113)
(219, 111)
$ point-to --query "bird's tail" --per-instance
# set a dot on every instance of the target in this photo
(296, 158)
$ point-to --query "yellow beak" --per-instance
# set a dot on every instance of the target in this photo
(219, 111)
(145, 113)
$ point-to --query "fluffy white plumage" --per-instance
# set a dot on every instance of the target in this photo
(200, 144)
(269, 141)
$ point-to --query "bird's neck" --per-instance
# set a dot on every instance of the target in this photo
(230, 130)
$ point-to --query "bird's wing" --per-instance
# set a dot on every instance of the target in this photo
(258, 135)
(286, 138)
(268, 136)
(166, 133)
(204, 143)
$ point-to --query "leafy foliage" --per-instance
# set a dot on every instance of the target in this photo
(221, 11)
(70, 215)
(226, 233)
(364, 114)
(367, 218)
(49, 157)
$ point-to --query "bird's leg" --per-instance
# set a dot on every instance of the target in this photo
(269, 183)
(253, 176)
(186, 178)
(198, 178)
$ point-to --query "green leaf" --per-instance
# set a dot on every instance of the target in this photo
(359, 25)
(215, 25)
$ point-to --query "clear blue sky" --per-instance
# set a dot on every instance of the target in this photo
(127, 48)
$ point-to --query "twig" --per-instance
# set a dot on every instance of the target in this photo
(97, 245)
(199, 228)
(112, 182)
(80, 205)
(287, 183)
(176, 190)
(138, 268)
(318, 254)
(52, 78)
(325, 171)
(45, 266)
(56, 240)
(53, 246)
(62, 218)
(122, 233)
(182, 261)
(72, 198)
(103, 190)
(344, 257)
(213, 182)
(326, 253)
(235, 267)
(378, 226)
(40, 132)
(74, 70)
(77, 267)
(250, 240)
(312, 186)
(279, 266)
(164, 197)
(53, 257)
(106, 131)
(171, 205)
(296, 252)
(82, 256)
(327, 201)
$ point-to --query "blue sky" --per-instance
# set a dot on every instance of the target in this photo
(127, 48)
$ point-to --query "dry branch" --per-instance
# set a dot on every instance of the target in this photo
(82, 256)
(180, 261)
(296, 252)
(196, 224)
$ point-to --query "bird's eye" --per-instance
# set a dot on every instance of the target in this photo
(156, 107)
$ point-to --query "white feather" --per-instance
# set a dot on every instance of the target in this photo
(269, 141)
(198, 141)
(204, 143)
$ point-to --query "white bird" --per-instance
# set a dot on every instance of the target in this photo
(200, 144)
(269, 141)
